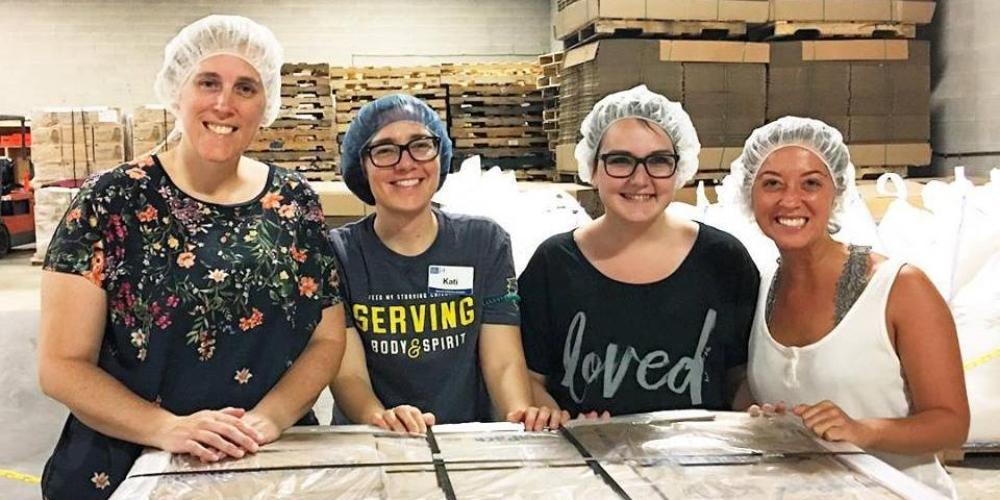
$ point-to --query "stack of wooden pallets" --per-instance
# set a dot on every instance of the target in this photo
(496, 112)
(353, 87)
(303, 136)
(548, 85)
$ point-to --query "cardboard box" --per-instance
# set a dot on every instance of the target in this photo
(913, 11)
(874, 91)
(857, 10)
(722, 85)
(48, 117)
(64, 133)
(683, 10)
(717, 159)
(578, 14)
(914, 154)
(751, 11)
(714, 51)
(796, 10)
(338, 201)
(878, 204)
(565, 161)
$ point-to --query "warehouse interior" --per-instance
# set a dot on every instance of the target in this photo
(911, 84)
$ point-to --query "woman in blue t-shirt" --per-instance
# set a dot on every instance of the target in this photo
(638, 310)
(431, 297)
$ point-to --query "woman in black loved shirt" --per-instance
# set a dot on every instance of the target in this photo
(638, 310)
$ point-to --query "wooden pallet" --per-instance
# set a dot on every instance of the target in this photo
(318, 175)
(500, 142)
(518, 101)
(551, 59)
(646, 28)
(529, 153)
(294, 139)
(507, 162)
(305, 69)
(309, 122)
(465, 122)
(484, 111)
(396, 72)
(386, 83)
(547, 81)
(344, 106)
(298, 157)
(490, 90)
(782, 30)
(492, 132)
(536, 174)
(304, 91)
(372, 94)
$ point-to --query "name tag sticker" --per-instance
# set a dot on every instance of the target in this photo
(449, 280)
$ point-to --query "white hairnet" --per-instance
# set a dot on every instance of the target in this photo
(824, 141)
(639, 102)
(214, 35)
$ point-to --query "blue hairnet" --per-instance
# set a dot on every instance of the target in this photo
(373, 117)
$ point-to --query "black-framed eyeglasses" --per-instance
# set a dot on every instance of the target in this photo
(388, 155)
(623, 165)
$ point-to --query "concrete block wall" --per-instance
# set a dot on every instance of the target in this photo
(94, 52)
(965, 104)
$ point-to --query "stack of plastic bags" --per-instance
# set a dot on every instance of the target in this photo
(956, 241)
(530, 217)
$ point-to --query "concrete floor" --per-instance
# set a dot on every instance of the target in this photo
(30, 422)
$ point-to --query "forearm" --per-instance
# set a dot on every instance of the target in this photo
(102, 402)
(541, 395)
(509, 386)
(300, 386)
(926, 432)
(355, 397)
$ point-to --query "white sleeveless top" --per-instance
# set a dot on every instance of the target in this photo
(855, 366)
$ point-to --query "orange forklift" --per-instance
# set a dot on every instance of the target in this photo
(17, 202)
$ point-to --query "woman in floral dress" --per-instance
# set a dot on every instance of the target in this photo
(190, 300)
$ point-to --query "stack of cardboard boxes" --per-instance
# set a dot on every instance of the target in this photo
(69, 144)
(148, 128)
(876, 92)
(722, 85)
(576, 15)
(900, 11)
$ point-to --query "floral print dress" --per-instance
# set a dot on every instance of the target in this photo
(208, 305)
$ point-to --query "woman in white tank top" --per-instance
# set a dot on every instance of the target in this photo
(861, 347)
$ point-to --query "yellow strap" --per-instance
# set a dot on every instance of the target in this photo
(18, 476)
(982, 360)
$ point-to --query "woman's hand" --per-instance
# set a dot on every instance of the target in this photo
(829, 422)
(539, 418)
(594, 416)
(403, 418)
(767, 409)
(267, 430)
(209, 435)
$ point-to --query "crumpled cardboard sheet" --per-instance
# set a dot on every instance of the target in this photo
(681, 454)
